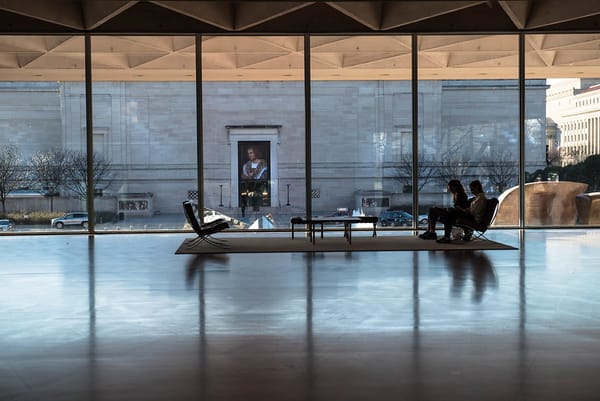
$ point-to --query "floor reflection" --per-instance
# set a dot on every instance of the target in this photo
(133, 320)
(470, 267)
(197, 263)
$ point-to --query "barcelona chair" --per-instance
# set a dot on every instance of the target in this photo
(205, 231)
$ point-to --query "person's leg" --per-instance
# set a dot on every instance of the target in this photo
(435, 214)
(468, 233)
(448, 228)
(449, 222)
(468, 236)
(431, 218)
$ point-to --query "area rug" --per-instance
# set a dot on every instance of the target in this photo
(248, 244)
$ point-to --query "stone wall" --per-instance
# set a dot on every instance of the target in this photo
(359, 131)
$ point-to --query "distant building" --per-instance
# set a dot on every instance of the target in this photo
(574, 105)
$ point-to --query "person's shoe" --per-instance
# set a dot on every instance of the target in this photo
(428, 235)
(444, 240)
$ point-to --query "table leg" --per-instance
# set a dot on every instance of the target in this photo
(350, 233)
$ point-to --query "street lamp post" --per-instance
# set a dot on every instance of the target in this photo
(221, 196)
(288, 195)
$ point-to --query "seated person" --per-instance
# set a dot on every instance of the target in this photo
(474, 212)
(435, 214)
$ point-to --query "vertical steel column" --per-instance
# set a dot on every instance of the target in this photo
(521, 130)
(89, 134)
(415, 129)
(199, 129)
(307, 126)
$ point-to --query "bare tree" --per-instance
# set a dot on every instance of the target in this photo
(48, 169)
(501, 169)
(404, 170)
(454, 166)
(76, 173)
(11, 172)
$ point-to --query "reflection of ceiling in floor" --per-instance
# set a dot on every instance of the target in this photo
(253, 56)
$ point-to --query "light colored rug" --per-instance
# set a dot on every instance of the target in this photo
(249, 244)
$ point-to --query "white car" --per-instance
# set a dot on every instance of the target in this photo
(71, 219)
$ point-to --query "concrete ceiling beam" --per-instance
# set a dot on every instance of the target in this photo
(216, 13)
(517, 11)
(66, 13)
(368, 13)
(397, 14)
(97, 12)
(552, 12)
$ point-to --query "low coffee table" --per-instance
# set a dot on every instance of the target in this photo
(321, 221)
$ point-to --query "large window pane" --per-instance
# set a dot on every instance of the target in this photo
(563, 164)
(362, 126)
(253, 115)
(144, 137)
(43, 129)
(469, 116)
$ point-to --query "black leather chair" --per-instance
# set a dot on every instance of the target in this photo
(479, 229)
(204, 231)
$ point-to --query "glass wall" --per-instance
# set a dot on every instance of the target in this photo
(253, 169)
(469, 115)
(144, 130)
(562, 183)
(41, 176)
(254, 136)
(362, 127)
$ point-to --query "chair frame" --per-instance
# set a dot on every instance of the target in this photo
(205, 231)
(480, 228)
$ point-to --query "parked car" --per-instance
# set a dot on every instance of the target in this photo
(6, 224)
(399, 217)
(71, 219)
(395, 218)
(423, 219)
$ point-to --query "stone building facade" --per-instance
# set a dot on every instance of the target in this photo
(574, 105)
(360, 130)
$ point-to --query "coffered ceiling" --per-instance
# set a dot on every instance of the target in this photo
(253, 40)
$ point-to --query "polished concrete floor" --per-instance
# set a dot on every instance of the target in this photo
(121, 317)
